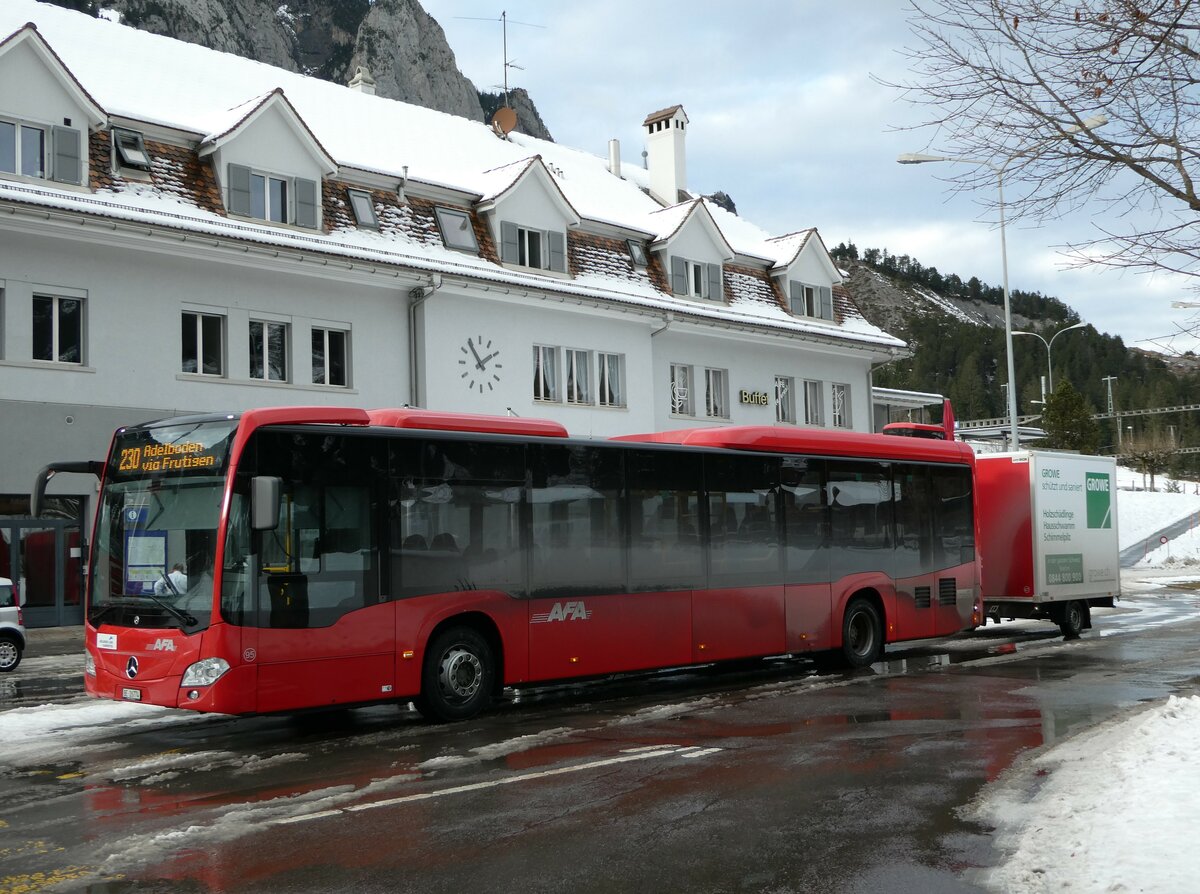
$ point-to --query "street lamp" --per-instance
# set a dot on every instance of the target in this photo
(1049, 345)
(917, 158)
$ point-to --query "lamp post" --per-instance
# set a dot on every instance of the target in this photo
(1049, 345)
(916, 158)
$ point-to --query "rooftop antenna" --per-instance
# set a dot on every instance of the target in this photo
(508, 63)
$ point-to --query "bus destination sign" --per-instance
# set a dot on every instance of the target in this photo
(188, 456)
(197, 450)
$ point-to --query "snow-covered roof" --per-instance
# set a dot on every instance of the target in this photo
(185, 89)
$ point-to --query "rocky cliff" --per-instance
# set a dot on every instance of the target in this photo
(404, 49)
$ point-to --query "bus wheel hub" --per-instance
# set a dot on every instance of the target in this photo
(461, 673)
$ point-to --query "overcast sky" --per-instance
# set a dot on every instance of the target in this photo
(786, 119)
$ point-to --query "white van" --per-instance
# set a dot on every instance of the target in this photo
(12, 626)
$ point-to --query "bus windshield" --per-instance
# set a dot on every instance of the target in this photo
(158, 526)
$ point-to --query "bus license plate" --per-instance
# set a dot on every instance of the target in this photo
(131, 695)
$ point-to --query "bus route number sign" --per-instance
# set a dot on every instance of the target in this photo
(179, 457)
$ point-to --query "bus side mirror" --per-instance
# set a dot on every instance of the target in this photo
(264, 502)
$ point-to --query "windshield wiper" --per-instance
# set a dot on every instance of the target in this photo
(188, 620)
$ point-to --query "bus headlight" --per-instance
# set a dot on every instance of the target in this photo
(204, 672)
(89, 664)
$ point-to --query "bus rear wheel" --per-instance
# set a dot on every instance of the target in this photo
(458, 675)
(862, 633)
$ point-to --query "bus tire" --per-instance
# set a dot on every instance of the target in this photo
(862, 633)
(1072, 619)
(458, 675)
(10, 653)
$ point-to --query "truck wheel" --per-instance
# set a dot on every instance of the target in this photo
(862, 634)
(1072, 619)
(10, 653)
(457, 677)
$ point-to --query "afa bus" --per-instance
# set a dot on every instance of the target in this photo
(291, 558)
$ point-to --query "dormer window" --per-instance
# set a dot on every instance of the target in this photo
(457, 232)
(811, 301)
(363, 208)
(637, 251)
(272, 197)
(538, 249)
(42, 152)
(694, 279)
(130, 150)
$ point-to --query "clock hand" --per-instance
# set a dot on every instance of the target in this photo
(488, 357)
(478, 362)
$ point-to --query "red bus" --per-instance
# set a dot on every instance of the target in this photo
(293, 558)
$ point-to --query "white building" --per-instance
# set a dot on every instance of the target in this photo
(185, 231)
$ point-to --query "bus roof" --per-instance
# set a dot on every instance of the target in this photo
(780, 439)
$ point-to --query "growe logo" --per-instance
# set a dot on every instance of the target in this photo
(562, 611)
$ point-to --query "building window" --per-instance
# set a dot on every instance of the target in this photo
(612, 379)
(34, 150)
(203, 344)
(579, 377)
(457, 232)
(363, 208)
(637, 252)
(841, 406)
(22, 149)
(58, 329)
(813, 404)
(545, 373)
(129, 150)
(785, 399)
(272, 197)
(716, 393)
(524, 247)
(681, 390)
(812, 301)
(268, 351)
(693, 279)
(329, 357)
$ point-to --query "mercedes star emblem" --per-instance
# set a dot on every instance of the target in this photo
(131, 668)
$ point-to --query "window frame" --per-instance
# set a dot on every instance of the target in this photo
(814, 410)
(19, 125)
(716, 393)
(270, 328)
(546, 389)
(441, 213)
(222, 342)
(326, 339)
(56, 328)
(840, 413)
(685, 405)
(123, 155)
(604, 376)
(525, 237)
(637, 253)
(785, 404)
(573, 392)
(364, 216)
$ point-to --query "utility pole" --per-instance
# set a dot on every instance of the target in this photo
(1108, 380)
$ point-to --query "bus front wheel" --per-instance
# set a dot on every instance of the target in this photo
(862, 633)
(458, 675)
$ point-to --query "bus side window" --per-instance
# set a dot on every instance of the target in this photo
(664, 521)
(745, 491)
(806, 519)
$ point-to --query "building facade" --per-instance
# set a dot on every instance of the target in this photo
(182, 231)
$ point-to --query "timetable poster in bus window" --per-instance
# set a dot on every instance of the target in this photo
(145, 553)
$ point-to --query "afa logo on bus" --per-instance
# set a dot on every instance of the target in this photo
(562, 611)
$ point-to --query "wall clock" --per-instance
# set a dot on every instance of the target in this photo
(480, 365)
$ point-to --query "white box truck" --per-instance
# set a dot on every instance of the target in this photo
(1048, 535)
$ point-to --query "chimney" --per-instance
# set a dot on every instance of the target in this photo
(362, 81)
(666, 154)
(614, 157)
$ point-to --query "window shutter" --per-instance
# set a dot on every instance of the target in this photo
(797, 295)
(716, 290)
(679, 279)
(239, 190)
(510, 252)
(306, 203)
(826, 302)
(558, 251)
(67, 160)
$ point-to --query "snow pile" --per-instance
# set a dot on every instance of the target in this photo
(1110, 811)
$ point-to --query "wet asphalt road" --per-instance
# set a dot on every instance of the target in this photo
(770, 778)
